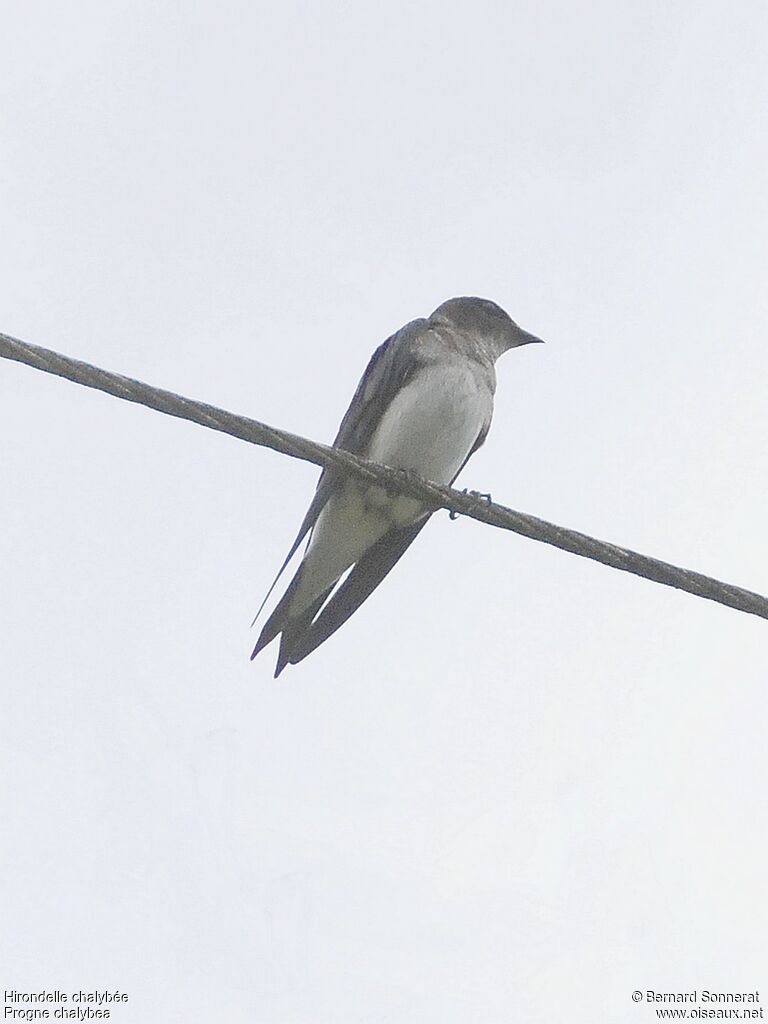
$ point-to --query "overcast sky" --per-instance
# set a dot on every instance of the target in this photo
(517, 785)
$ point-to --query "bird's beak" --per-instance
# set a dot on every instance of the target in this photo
(528, 339)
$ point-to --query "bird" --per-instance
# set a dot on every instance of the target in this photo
(424, 404)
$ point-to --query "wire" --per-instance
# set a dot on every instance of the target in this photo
(432, 495)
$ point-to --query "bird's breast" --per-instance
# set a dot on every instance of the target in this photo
(432, 423)
(429, 427)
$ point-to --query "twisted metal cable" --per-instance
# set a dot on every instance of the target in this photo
(432, 495)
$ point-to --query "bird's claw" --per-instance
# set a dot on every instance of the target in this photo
(472, 494)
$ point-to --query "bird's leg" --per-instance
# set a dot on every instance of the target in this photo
(473, 494)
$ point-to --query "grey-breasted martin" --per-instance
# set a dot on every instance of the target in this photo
(424, 404)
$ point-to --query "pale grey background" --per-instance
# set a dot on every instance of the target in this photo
(517, 785)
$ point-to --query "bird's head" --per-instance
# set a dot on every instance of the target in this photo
(486, 321)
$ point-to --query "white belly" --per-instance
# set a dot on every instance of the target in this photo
(429, 427)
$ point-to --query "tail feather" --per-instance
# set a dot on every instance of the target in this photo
(292, 628)
(294, 631)
(366, 575)
(279, 617)
(302, 631)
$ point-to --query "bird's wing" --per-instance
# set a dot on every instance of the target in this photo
(391, 366)
(366, 575)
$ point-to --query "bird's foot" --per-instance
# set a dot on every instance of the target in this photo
(472, 494)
